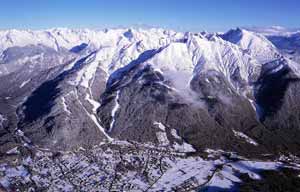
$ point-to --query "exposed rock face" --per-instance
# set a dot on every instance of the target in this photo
(277, 102)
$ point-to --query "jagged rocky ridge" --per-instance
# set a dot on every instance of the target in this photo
(188, 92)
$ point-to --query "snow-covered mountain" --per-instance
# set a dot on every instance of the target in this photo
(258, 45)
(64, 89)
(286, 40)
(46, 71)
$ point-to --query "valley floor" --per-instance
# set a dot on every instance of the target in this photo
(124, 166)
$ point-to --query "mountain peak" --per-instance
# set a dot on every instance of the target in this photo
(257, 45)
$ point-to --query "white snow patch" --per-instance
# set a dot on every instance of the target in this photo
(174, 133)
(2, 119)
(250, 167)
(20, 133)
(114, 111)
(182, 170)
(160, 125)
(158, 70)
(184, 147)
(242, 135)
(161, 135)
(120, 142)
(252, 104)
(141, 184)
(223, 179)
(94, 103)
(65, 107)
(226, 177)
(94, 119)
(25, 140)
(89, 74)
(277, 68)
(162, 138)
(24, 83)
(13, 151)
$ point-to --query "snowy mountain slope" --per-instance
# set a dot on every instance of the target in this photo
(56, 103)
(166, 74)
(124, 44)
(289, 45)
(257, 45)
(81, 77)
(284, 39)
(68, 38)
(31, 58)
